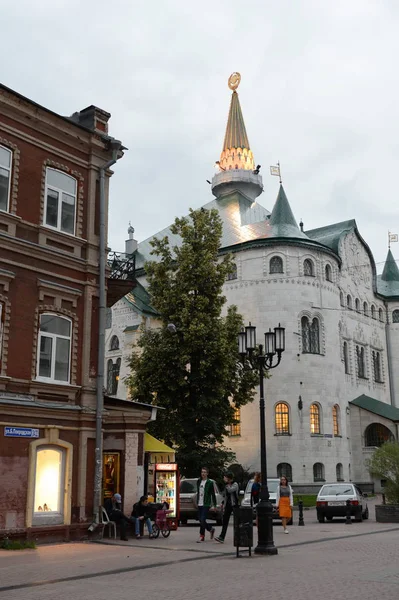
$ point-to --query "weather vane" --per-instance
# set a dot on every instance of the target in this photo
(234, 81)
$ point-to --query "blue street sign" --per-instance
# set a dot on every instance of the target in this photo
(21, 432)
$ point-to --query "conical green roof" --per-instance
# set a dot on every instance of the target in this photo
(282, 220)
(391, 271)
(236, 134)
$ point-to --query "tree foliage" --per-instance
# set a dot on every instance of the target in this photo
(192, 370)
(384, 464)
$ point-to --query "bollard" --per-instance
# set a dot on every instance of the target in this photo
(300, 505)
(348, 513)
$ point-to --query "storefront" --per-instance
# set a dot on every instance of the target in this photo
(155, 452)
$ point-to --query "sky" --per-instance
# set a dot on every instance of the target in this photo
(319, 92)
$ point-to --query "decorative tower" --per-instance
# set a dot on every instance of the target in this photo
(236, 167)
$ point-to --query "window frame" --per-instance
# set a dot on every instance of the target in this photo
(234, 274)
(51, 517)
(310, 335)
(336, 414)
(112, 345)
(361, 362)
(357, 305)
(60, 191)
(279, 416)
(349, 305)
(320, 475)
(235, 428)
(9, 169)
(280, 261)
(377, 429)
(377, 366)
(395, 316)
(308, 261)
(373, 311)
(339, 472)
(366, 309)
(345, 351)
(328, 273)
(316, 415)
(284, 470)
(54, 336)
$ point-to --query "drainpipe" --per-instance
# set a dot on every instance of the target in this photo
(389, 357)
(116, 147)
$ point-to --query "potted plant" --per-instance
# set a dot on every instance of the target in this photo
(385, 466)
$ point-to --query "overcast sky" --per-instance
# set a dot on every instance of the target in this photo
(319, 92)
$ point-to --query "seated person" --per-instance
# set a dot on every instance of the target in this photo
(113, 506)
(140, 513)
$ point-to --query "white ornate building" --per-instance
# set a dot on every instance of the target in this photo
(335, 396)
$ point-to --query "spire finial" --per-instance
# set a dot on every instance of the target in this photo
(276, 170)
(234, 81)
(392, 237)
(130, 231)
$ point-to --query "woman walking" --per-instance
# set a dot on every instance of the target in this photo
(284, 501)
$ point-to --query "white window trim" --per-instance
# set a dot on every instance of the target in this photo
(60, 192)
(9, 177)
(53, 347)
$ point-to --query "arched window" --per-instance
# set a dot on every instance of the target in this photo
(318, 472)
(361, 365)
(282, 419)
(376, 435)
(328, 273)
(114, 344)
(365, 309)
(308, 267)
(357, 305)
(349, 301)
(346, 357)
(339, 472)
(233, 274)
(341, 299)
(336, 420)
(235, 428)
(372, 311)
(381, 315)
(54, 358)
(395, 316)
(276, 265)
(60, 201)
(315, 419)
(110, 373)
(377, 366)
(310, 336)
(284, 470)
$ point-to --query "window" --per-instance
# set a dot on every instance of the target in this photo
(357, 305)
(328, 273)
(5, 177)
(395, 316)
(108, 318)
(284, 470)
(339, 472)
(235, 427)
(113, 370)
(49, 486)
(282, 419)
(377, 366)
(54, 348)
(318, 472)
(308, 268)
(373, 311)
(341, 299)
(114, 345)
(346, 357)
(60, 201)
(349, 302)
(365, 309)
(315, 419)
(381, 315)
(233, 274)
(276, 265)
(336, 419)
(310, 336)
(361, 366)
(376, 435)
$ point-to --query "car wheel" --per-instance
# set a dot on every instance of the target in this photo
(320, 518)
(329, 518)
(366, 513)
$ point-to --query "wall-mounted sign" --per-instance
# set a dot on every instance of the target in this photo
(21, 432)
(328, 435)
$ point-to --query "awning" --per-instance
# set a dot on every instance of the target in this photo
(153, 445)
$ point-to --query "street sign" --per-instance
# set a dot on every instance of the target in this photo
(328, 435)
(21, 432)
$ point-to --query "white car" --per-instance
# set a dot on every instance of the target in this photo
(272, 485)
(332, 498)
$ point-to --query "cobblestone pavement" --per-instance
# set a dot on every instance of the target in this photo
(327, 560)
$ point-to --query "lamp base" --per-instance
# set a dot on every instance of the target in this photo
(265, 529)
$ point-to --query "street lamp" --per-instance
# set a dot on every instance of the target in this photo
(263, 360)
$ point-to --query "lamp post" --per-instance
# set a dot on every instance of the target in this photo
(264, 360)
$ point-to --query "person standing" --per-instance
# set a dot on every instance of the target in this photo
(230, 503)
(284, 501)
(206, 499)
(255, 490)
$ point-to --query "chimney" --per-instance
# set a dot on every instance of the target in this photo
(93, 118)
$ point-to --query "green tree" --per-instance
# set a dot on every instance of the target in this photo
(192, 368)
(384, 464)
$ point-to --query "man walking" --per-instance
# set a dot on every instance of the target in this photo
(230, 503)
(206, 499)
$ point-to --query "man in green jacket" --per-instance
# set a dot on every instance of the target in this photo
(206, 499)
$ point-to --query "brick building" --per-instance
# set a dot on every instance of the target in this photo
(50, 168)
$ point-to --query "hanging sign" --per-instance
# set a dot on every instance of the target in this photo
(21, 432)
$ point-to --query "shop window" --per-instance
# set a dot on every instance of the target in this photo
(54, 348)
(276, 265)
(308, 268)
(336, 420)
(235, 427)
(376, 435)
(284, 470)
(315, 419)
(282, 419)
(49, 482)
(318, 472)
(60, 201)
(5, 177)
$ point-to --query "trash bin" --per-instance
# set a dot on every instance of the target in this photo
(243, 528)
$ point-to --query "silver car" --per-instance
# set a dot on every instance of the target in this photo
(188, 502)
(332, 502)
(272, 485)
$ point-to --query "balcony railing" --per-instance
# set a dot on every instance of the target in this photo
(122, 276)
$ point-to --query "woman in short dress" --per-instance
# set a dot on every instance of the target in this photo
(284, 502)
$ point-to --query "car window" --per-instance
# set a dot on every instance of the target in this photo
(336, 490)
(188, 486)
(272, 484)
